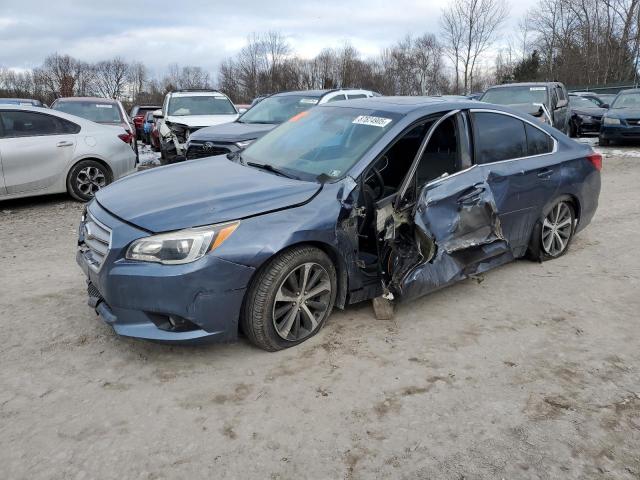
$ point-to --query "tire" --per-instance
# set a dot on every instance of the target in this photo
(86, 178)
(547, 242)
(603, 142)
(573, 130)
(276, 317)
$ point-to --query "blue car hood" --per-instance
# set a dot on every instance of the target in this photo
(232, 132)
(624, 113)
(200, 192)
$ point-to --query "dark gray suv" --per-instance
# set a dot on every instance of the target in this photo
(547, 101)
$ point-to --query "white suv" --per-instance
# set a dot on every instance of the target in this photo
(184, 112)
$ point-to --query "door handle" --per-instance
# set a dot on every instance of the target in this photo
(545, 173)
(65, 144)
(471, 197)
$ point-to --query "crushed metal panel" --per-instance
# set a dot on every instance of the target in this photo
(470, 221)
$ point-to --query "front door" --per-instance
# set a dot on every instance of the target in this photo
(35, 149)
(452, 229)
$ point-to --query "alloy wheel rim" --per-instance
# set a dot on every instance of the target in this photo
(301, 302)
(556, 229)
(89, 180)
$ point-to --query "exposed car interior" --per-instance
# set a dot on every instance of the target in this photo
(442, 157)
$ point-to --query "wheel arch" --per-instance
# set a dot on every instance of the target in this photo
(331, 251)
(569, 197)
(82, 159)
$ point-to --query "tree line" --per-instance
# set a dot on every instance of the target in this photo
(578, 42)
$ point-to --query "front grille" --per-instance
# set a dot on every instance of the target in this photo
(95, 241)
(207, 149)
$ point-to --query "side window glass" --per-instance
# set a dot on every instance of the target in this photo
(442, 154)
(28, 124)
(353, 96)
(538, 142)
(498, 137)
(337, 97)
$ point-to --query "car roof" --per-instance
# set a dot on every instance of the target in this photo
(48, 111)
(524, 84)
(404, 105)
(16, 99)
(316, 93)
(87, 99)
(197, 93)
(629, 90)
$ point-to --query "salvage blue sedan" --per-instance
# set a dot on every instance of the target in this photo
(382, 198)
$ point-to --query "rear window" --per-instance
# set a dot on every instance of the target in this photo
(94, 111)
(498, 137)
(515, 95)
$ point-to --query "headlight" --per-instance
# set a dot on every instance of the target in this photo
(611, 121)
(586, 118)
(182, 246)
(245, 143)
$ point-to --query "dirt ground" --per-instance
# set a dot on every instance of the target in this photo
(533, 372)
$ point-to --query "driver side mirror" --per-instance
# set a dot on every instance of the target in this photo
(157, 114)
(242, 110)
(605, 105)
(562, 103)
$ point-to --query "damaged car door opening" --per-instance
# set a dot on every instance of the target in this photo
(384, 197)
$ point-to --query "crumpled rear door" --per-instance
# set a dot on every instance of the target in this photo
(458, 216)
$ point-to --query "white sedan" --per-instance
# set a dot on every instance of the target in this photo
(44, 151)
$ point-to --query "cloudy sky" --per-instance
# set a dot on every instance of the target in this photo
(199, 32)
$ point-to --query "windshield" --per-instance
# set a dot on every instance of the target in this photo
(200, 105)
(515, 95)
(583, 102)
(278, 109)
(327, 140)
(94, 111)
(627, 100)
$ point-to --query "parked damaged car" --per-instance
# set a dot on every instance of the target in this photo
(622, 121)
(547, 101)
(185, 112)
(376, 198)
(586, 116)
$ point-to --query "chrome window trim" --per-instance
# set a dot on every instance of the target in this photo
(404, 186)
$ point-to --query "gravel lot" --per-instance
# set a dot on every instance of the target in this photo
(533, 372)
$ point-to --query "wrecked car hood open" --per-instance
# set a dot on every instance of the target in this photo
(218, 190)
(232, 132)
(199, 121)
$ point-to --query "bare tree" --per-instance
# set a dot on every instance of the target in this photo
(469, 28)
(110, 77)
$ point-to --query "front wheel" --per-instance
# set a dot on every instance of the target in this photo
(86, 178)
(552, 235)
(290, 299)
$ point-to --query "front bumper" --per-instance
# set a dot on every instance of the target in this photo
(138, 298)
(620, 132)
(589, 126)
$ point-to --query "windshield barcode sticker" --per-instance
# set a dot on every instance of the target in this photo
(372, 121)
(312, 101)
(533, 89)
(103, 105)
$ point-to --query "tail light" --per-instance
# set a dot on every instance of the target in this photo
(126, 137)
(596, 159)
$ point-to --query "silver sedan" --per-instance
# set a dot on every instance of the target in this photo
(44, 151)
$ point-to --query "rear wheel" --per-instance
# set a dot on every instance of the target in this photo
(603, 142)
(290, 299)
(86, 178)
(553, 234)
